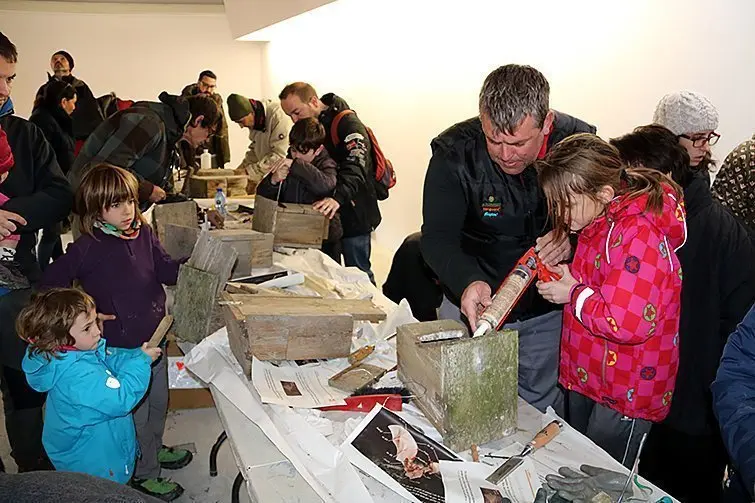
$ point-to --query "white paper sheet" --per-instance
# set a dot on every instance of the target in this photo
(304, 387)
(321, 464)
(464, 482)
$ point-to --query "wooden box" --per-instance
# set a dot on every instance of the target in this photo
(183, 213)
(205, 182)
(295, 225)
(255, 249)
(466, 387)
(292, 328)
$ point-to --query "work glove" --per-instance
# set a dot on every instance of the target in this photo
(540, 497)
(589, 485)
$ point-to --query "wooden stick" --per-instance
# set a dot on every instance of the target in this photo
(160, 332)
(475, 454)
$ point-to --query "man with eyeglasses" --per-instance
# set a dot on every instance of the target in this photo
(217, 144)
(268, 127)
(144, 139)
(693, 119)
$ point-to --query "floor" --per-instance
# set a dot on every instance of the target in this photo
(200, 426)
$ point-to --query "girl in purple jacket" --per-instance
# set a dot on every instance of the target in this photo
(119, 262)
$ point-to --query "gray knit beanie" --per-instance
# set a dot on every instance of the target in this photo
(686, 112)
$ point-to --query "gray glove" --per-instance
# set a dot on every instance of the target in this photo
(590, 485)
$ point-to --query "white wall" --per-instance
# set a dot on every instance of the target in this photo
(136, 52)
(411, 68)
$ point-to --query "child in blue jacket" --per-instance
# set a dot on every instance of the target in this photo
(91, 389)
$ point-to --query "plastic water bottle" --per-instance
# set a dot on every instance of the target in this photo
(220, 201)
(205, 160)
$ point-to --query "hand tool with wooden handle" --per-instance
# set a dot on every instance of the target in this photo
(355, 359)
(543, 437)
(160, 332)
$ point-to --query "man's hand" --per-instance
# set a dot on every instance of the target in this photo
(327, 207)
(101, 318)
(216, 219)
(475, 298)
(553, 252)
(157, 195)
(280, 173)
(558, 291)
(9, 222)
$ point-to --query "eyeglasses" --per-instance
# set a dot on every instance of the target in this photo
(711, 139)
(298, 148)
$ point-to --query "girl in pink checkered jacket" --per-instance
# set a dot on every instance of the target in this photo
(619, 344)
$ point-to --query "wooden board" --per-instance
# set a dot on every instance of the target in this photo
(254, 249)
(212, 255)
(196, 292)
(183, 213)
(466, 387)
(205, 186)
(285, 337)
(294, 225)
(256, 305)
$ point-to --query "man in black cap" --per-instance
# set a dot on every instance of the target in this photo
(88, 114)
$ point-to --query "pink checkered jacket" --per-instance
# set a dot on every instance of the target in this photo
(620, 339)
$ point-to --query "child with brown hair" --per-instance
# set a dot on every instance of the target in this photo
(619, 344)
(306, 176)
(91, 389)
(120, 263)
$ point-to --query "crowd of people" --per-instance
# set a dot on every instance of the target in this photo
(649, 330)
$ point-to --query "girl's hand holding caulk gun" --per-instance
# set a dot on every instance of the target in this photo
(476, 298)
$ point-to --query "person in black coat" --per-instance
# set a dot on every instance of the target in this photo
(718, 263)
(412, 279)
(52, 114)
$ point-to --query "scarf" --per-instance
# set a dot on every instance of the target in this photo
(7, 108)
(259, 115)
(112, 230)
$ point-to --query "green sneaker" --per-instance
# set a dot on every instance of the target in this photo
(162, 489)
(173, 459)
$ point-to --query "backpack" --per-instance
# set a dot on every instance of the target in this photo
(385, 175)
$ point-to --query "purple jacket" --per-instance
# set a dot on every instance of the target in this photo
(125, 279)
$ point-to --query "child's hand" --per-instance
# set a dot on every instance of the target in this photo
(153, 353)
(9, 222)
(282, 170)
(558, 291)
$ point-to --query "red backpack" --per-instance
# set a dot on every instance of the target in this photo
(385, 175)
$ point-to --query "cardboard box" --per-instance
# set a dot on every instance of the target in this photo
(198, 398)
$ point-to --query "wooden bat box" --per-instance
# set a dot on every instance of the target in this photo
(205, 182)
(466, 387)
(295, 225)
(292, 328)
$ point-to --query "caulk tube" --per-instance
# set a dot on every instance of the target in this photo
(505, 299)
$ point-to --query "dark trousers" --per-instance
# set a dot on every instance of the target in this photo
(356, 253)
(50, 245)
(149, 420)
(613, 432)
(672, 460)
(23, 420)
(22, 405)
(332, 249)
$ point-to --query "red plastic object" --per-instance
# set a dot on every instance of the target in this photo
(365, 403)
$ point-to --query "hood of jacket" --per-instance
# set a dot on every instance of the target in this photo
(671, 222)
(174, 112)
(43, 373)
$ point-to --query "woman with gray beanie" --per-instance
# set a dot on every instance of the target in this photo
(693, 119)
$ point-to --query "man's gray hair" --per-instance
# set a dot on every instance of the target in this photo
(512, 92)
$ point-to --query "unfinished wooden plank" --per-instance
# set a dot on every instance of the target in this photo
(294, 225)
(160, 332)
(196, 291)
(179, 240)
(466, 387)
(249, 289)
(299, 337)
(183, 213)
(254, 305)
(254, 249)
(212, 255)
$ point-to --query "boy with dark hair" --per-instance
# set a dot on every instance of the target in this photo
(144, 140)
(717, 259)
(306, 176)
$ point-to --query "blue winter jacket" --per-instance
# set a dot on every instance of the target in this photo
(90, 394)
(734, 398)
